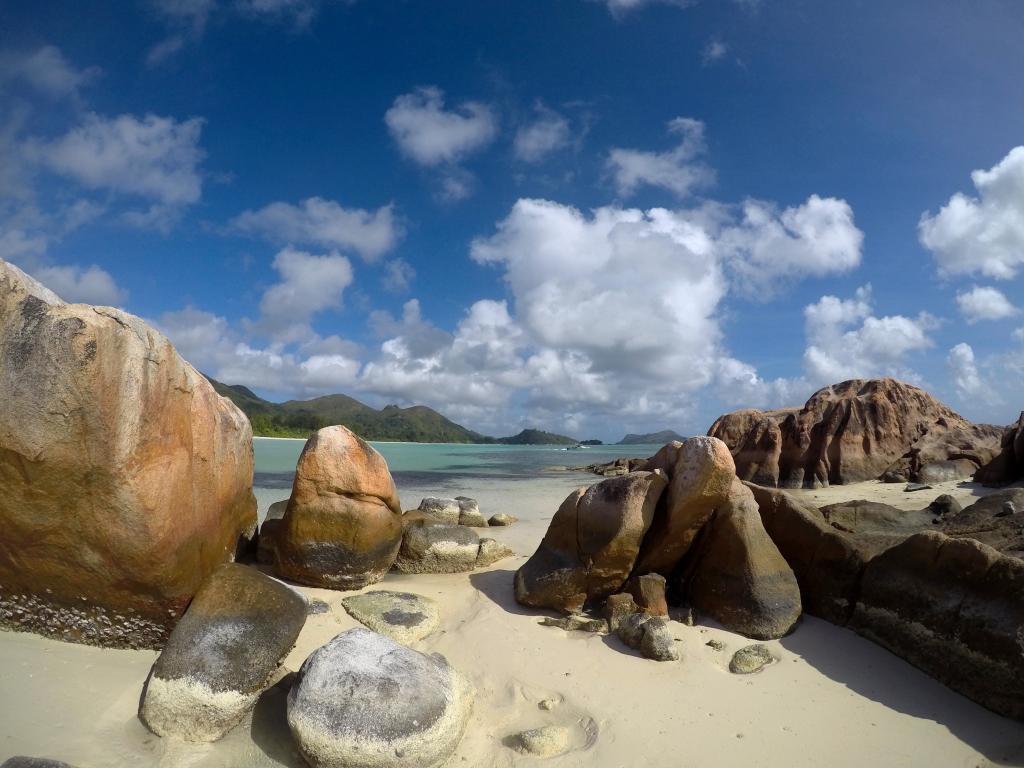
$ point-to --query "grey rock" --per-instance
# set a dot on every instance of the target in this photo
(715, 645)
(576, 623)
(619, 607)
(502, 519)
(630, 629)
(911, 487)
(656, 641)
(752, 658)
(548, 741)
(365, 701)
(944, 506)
(438, 549)
(20, 761)
(222, 654)
(943, 471)
(1008, 509)
(469, 512)
(445, 510)
(399, 615)
(316, 607)
(491, 551)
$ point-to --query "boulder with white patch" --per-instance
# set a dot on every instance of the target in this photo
(364, 701)
(222, 654)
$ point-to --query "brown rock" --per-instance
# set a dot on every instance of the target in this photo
(853, 431)
(648, 592)
(862, 516)
(986, 521)
(1008, 465)
(738, 576)
(617, 608)
(701, 471)
(126, 479)
(343, 525)
(955, 609)
(591, 546)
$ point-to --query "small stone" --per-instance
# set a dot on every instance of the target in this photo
(501, 519)
(548, 704)
(402, 616)
(576, 623)
(752, 658)
(630, 629)
(717, 645)
(649, 593)
(548, 741)
(1007, 510)
(911, 487)
(617, 608)
(490, 552)
(316, 606)
(656, 641)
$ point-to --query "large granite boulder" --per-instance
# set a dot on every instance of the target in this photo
(853, 431)
(988, 520)
(738, 577)
(1008, 465)
(364, 701)
(126, 478)
(954, 608)
(592, 543)
(343, 525)
(701, 472)
(222, 654)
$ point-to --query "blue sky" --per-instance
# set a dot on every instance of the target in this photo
(593, 216)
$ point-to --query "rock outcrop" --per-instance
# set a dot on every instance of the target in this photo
(989, 521)
(126, 479)
(592, 543)
(738, 577)
(954, 608)
(222, 654)
(402, 616)
(1008, 465)
(364, 701)
(853, 431)
(343, 524)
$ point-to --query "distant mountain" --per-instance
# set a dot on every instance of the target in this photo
(665, 436)
(300, 418)
(537, 437)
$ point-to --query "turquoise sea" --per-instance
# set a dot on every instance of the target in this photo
(447, 468)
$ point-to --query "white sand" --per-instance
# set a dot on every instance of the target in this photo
(832, 699)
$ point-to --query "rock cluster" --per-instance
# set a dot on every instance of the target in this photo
(126, 479)
(343, 524)
(853, 431)
(687, 522)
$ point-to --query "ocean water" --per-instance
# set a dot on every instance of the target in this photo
(448, 469)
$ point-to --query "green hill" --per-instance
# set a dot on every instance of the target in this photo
(300, 418)
(660, 438)
(537, 437)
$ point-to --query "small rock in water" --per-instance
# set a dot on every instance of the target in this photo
(399, 615)
(548, 741)
(911, 487)
(576, 622)
(548, 704)
(752, 658)
(502, 519)
(716, 645)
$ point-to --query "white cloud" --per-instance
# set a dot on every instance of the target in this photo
(191, 13)
(984, 234)
(680, 170)
(309, 284)
(966, 379)
(714, 51)
(89, 285)
(620, 7)
(1019, 334)
(547, 133)
(154, 157)
(846, 340)
(431, 135)
(984, 303)
(46, 71)
(326, 224)
(398, 276)
(768, 248)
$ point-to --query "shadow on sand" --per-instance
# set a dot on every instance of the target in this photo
(269, 729)
(875, 673)
(497, 586)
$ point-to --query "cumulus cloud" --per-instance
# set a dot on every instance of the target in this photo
(964, 372)
(156, 158)
(46, 71)
(714, 51)
(326, 224)
(430, 134)
(680, 170)
(982, 234)
(984, 303)
(847, 341)
(88, 285)
(398, 276)
(547, 133)
(309, 284)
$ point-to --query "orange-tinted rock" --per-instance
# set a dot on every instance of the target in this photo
(738, 577)
(853, 431)
(592, 543)
(343, 525)
(126, 479)
(700, 471)
(648, 592)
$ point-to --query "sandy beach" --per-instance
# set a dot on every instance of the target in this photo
(832, 698)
